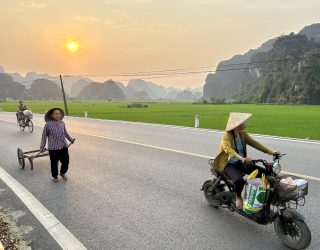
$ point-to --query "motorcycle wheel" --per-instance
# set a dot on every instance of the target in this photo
(30, 126)
(298, 235)
(209, 193)
(22, 126)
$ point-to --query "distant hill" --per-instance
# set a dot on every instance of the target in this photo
(18, 78)
(141, 96)
(185, 96)
(68, 82)
(249, 84)
(225, 84)
(154, 91)
(311, 31)
(78, 86)
(10, 88)
(285, 79)
(172, 95)
(102, 91)
(44, 89)
(74, 85)
(130, 92)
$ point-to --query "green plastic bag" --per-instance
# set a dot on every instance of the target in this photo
(255, 195)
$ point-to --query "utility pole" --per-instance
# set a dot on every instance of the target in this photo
(64, 97)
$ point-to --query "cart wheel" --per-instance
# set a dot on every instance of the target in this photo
(21, 124)
(21, 158)
(30, 126)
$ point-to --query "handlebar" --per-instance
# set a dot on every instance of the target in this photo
(259, 160)
(277, 157)
(70, 143)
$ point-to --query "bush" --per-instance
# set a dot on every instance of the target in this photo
(212, 100)
(137, 105)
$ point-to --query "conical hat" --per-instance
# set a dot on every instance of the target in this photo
(47, 116)
(236, 119)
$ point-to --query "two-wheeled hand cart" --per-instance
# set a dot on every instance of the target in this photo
(31, 155)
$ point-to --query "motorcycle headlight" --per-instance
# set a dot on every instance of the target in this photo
(276, 168)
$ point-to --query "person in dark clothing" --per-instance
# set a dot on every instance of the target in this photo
(22, 107)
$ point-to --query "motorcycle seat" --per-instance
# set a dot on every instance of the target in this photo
(219, 173)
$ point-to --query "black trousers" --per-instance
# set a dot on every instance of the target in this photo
(61, 155)
(236, 172)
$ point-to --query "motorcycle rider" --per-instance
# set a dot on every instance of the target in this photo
(22, 107)
(232, 158)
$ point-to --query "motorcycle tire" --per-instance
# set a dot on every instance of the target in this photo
(30, 126)
(21, 125)
(209, 193)
(298, 235)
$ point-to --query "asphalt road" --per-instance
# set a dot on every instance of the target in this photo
(124, 195)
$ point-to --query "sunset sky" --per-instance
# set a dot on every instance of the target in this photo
(82, 37)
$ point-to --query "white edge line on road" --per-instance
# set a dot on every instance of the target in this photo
(199, 129)
(57, 230)
(171, 150)
(206, 130)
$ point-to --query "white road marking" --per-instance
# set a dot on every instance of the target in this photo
(180, 152)
(57, 230)
(170, 150)
(201, 130)
(191, 128)
(142, 144)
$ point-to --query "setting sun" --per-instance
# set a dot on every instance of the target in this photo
(72, 46)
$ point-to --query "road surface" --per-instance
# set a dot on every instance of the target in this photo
(137, 186)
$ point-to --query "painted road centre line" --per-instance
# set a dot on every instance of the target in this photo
(169, 150)
(180, 152)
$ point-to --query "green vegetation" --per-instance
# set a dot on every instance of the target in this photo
(285, 79)
(298, 121)
(137, 105)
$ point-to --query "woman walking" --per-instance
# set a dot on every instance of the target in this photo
(56, 133)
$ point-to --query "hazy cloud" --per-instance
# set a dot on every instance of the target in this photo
(35, 5)
(85, 19)
(252, 4)
(27, 5)
(126, 1)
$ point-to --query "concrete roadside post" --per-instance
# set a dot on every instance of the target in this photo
(197, 121)
(1, 246)
(85, 114)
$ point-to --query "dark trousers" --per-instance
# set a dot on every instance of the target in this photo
(61, 155)
(236, 172)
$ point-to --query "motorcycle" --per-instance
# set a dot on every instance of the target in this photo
(25, 120)
(279, 207)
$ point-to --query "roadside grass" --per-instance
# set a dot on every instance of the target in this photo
(298, 121)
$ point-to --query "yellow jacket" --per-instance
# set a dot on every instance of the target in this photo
(228, 148)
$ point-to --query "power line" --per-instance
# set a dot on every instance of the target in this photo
(168, 73)
(183, 71)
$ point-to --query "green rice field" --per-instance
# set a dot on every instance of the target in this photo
(298, 121)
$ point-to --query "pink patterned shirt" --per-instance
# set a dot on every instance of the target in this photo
(56, 133)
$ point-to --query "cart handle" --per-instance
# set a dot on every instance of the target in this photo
(46, 149)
